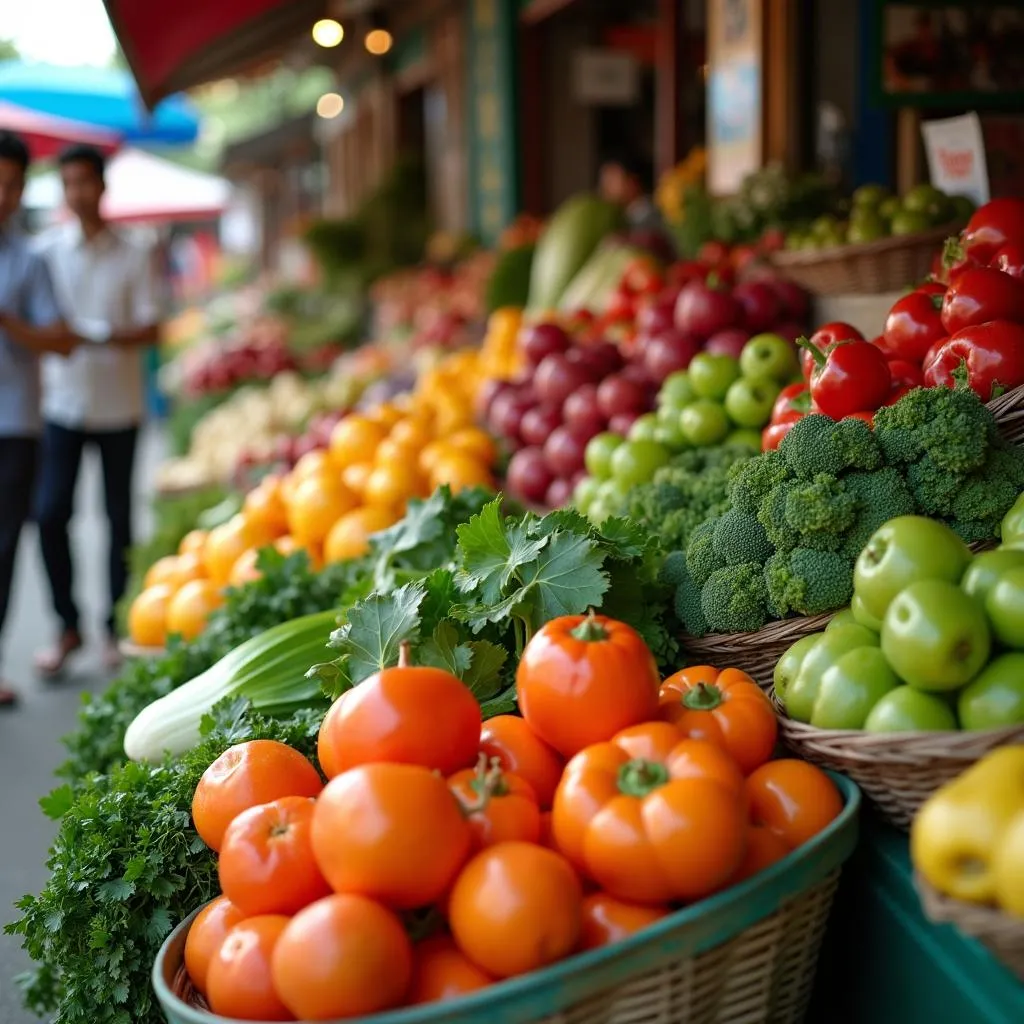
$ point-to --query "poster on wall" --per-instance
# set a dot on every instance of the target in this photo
(950, 55)
(955, 149)
(734, 93)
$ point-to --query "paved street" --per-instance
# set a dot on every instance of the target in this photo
(30, 736)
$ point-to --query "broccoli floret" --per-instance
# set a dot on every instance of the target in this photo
(987, 494)
(812, 447)
(857, 442)
(972, 531)
(673, 569)
(808, 582)
(772, 516)
(881, 496)
(688, 608)
(734, 599)
(933, 488)
(750, 481)
(739, 537)
(701, 559)
(820, 506)
(950, 425)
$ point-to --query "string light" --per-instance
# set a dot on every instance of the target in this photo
(331, 104)
(378, 41)
(328, 33)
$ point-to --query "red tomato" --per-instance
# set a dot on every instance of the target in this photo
(642, 277)
(824, 338)
(906, 374)
(583, 678)
(992, 226)
(712, 253)
(521, 751)
(1010, 260)
(772, 435)
(344, 956)
(980, 296)
(607, 919)
(931, 288)
(867, 417)
(793, 799)
(684, 271)
(441, 971)
(239, 982)
(208, 931)
(913, 325)
(404, 715)
(500, 807)
(787, 396)
(853, 376)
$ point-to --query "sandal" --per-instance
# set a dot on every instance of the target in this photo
(8, 697)
(112, 657)
(51, 663)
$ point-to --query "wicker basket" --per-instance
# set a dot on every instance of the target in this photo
(867, 268)
(744, 956)
(1008, 410)
(754, 653)
(1001, 933)
(897, 770)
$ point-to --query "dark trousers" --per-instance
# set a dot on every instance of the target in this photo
(18, 458)
(55, 498)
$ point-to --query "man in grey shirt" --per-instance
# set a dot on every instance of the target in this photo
(26, 293)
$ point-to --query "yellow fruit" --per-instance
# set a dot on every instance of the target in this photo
(147, 617)
(244, 570)
(412, 432)
(354, 477)
(163, 570)
(429, 457)
(224, 547)
(264, 507)
(190, 567)
(349, 537)
(191, 607)
(355, 439)
(317, 504)
(453, 412)
(311, 464)
(390, 451)
(193, 543)
(476, 442)
(386, 414)
(392, 485)
(460, 471)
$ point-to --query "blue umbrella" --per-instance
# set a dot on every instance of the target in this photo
(99, 96)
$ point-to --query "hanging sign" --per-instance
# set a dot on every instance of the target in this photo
(955, 148)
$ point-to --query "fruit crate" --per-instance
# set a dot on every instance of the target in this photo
(743, 956)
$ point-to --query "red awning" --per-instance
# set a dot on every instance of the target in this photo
(46, 135)
(171, 47)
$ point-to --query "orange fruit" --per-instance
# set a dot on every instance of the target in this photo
(349, 537)
(191, 606)
(193, 543)
(385, 414)
(163, 570)
(264, 508)
(354, 477)
(412, 432)
(460, 471)
(451, 412)
(392, 485)
(355, 439)
(316, 506)
(390, 451)
(190, 567)
(244, 570)
(224, 547)
(311, 464)
(147, 617)
(432, 454)
(476, 442)
(287, 545)
(208, 931)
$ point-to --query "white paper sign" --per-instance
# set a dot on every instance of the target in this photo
(956, 156)
(606, 78)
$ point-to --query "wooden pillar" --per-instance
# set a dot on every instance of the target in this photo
(782, 107)
(531, 117)
(908, 148)
(668, 83)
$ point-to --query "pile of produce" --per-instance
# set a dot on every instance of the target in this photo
(968, 839)
(875, 213)
(488, 829)
(799, 516)
(934, 638)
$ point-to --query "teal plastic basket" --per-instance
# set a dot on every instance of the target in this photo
(743, 956)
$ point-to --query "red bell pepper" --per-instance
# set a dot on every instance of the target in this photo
(772, 435)
(823, 338)
(905, 374)
(1010, 260)
(993, 225)
(792, 398)
(851, 377)
(913, 325)
(988, 358)
(980, 295)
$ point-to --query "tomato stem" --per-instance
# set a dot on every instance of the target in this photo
(589, 630)
(639, 777)
(488, 783)
(816, 353)
(404, 654)
(703, 697)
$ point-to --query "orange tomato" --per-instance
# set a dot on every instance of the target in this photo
(581, 679)
(521, 751)
(350, 536)
(607, 919)
(247, 774)
(460, 471)
(325, 745)
(547, 835)
(651, 817)
(354, 477)
(390, 453)
(355, 439)
(432, 454)
(516, 907)
(793, 799)
(764, 848)
(244, 570)
(475, 442)
(147, 617)
(406, 715)
(264, 508)
(239, 983)
(193, 543)
(224, 547)
(313, 463)
(163, 570)
(392, 485)
(412, 432)
(728, 708)
(266, 863)
(441, 971)
(344, 956)
(191, 606)
(392, 832)
(208, 931)
(500, 807)
(190, 567)
(317, 504)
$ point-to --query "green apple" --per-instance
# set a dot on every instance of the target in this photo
(908, 710)
(635, 462)
(598, 454)
(787, 667)
(711, 374)
(840, 619)
(862, 617)
(987, 568)
(802, 692)
(994, 699)
(704, 422)
(769, 357)
(1005, 607)
(676, 390)
(644, 428)
(745, 437)
(748, 402)
(851, 688)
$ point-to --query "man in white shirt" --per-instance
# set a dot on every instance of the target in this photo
(94, 396)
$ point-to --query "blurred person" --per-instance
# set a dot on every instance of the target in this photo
(95, 396)
(26, 297)
(628, 183)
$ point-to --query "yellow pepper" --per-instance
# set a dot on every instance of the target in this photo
(967, 839)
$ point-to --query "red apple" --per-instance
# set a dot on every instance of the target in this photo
(790, 330)
(528, 475)
(563, 451)
(538, 423)
(558, 377)
(668, 352)
(559, 493)
(657, 312)
(581, 411)
(729, 342)
(506, 414)
(620, 424)
(543, 339)
(619, 394)
(761, 305)
(702, 310)
(794, 300)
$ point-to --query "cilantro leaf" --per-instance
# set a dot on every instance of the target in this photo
(492, 551)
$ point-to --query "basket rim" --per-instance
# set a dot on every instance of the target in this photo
(742, 905)
(769, 631)
(809, 257)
